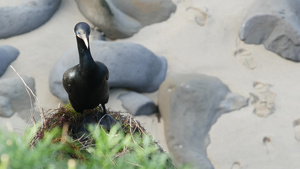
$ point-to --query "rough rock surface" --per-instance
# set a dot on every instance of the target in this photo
(137, 104)
(190, 105)
(25, 17)
(7, 55)
(14, 98)
(5, 107)
(123, 18)
(130, 66)
(276, 24)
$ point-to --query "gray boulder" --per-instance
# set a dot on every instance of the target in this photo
(14, 98)
(130, 66)
(276, 24)
(123, 18)
(190, 105)
(25, 17)
(7, 55)
(5, 107)
(97, 34)
(137, 104)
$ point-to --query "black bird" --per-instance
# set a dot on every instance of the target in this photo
(86, 83)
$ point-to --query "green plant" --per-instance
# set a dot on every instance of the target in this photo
(114, 149)
(17, 153)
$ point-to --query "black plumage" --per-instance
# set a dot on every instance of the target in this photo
(86, 83)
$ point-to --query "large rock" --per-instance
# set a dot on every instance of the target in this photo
(123, 18)
(276, 24)
(190, 105)
(130, 66)
(137, 104)
(7, 55)
(29, 15)
(14, 97)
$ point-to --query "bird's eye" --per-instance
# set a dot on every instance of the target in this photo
(78, 33)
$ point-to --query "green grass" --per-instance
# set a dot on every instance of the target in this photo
(115, 149)
(52, 145)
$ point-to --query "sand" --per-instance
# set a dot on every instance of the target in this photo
(239, 139)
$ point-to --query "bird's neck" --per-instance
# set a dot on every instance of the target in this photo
(85, 57)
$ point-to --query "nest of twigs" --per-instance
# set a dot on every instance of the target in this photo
(72, 123)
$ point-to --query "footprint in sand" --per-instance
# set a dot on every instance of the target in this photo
(268, 144)
(236, 165)
(297, 129)
(198, 15)
(245, 58)
(262, 99)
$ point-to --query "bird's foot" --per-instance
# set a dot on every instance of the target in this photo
(105, 119)
(84, 120)
(83, 130)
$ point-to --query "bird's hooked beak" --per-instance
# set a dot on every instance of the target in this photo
(85, 40)
(84, 37)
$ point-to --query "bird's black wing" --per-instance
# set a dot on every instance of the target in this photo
(103, 68)
(68, 80)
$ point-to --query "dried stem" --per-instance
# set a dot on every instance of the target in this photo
(30, 94)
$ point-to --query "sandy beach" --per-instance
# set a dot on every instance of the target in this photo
(238, 139)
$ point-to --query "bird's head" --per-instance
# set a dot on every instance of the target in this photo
(82, 31)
